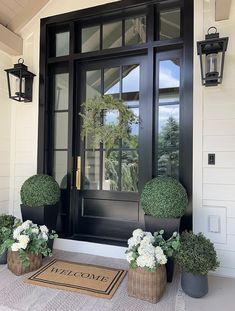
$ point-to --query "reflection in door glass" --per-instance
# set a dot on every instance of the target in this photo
(135, 30)
(169, 73)
(61, 130)
(111, 117)
(61, 91)
(168, 141)
(168, 118)
(130, 79)
(60, 168)
(129, 171)
(111, 174)
(93, 83)
(112, 35)
(133, 142)
(112, 81)
(170, 24)
(62, 43)
(91, 39)
(92, 170)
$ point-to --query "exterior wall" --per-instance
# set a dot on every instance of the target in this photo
(214, 132)
(5, 135)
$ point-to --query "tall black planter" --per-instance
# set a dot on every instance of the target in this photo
(194, 285)
(169, 225)
(43, 215)
(3, 258)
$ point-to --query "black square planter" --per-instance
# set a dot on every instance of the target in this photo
(3, 258)
(169, 225)
(43, 215)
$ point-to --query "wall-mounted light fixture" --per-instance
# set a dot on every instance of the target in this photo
(20, 82)
(212, 53)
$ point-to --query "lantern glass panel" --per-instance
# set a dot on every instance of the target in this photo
(211, 63)
(15, 88)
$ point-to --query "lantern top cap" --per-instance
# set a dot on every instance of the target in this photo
(20, 61)
(212, 35)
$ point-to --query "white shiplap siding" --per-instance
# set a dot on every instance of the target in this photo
(218, 136)
(5, 135)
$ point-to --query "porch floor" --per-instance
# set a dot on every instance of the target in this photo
(16, 295)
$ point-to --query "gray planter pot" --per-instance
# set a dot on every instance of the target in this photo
(194, 285)
(3, 258)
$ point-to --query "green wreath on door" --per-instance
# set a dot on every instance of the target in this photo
(95, 126)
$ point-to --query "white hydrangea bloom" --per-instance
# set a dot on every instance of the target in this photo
(44, 229)
(134, 241)
(23, 241)
(15, 247)
(158, 251)
(146, 261)
(146, 249)
(17, 232)
(129, 256)
(148, 239)
(138, 233)
(163, 260)
(160, 256)
(44, 236)
(25, 225)
(35, 230)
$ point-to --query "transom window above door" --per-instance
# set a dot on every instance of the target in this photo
(129, 31)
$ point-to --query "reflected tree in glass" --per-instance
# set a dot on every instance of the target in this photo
(168, 148)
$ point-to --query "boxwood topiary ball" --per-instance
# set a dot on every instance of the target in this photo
(164, 197)
(40, 190)
(196, 254)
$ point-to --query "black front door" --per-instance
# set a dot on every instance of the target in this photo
(107, 202)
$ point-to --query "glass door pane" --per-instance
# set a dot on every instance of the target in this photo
(115, 169)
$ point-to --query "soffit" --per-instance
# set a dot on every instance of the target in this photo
(14, 14)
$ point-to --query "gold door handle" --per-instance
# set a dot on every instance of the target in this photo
(78, 174)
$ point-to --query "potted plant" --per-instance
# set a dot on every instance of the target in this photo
(39, 196)
(196, 256)
(164, 201)
(26, 247)
(147, 255)
(6, 228)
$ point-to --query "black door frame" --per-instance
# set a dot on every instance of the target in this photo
(71, 21)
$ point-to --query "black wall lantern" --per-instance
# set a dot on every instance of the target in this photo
(20, 82)
(212, 52)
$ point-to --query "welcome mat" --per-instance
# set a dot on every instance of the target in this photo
(83, 278)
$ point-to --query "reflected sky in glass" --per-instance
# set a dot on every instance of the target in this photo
(169, 74)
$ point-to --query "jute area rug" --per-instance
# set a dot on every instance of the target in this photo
(83, 278)
(16, 295)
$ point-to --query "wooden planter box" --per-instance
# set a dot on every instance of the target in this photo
(15, 265)
(146, 285)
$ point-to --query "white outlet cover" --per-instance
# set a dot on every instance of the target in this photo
(215, 228)
(214, 223)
